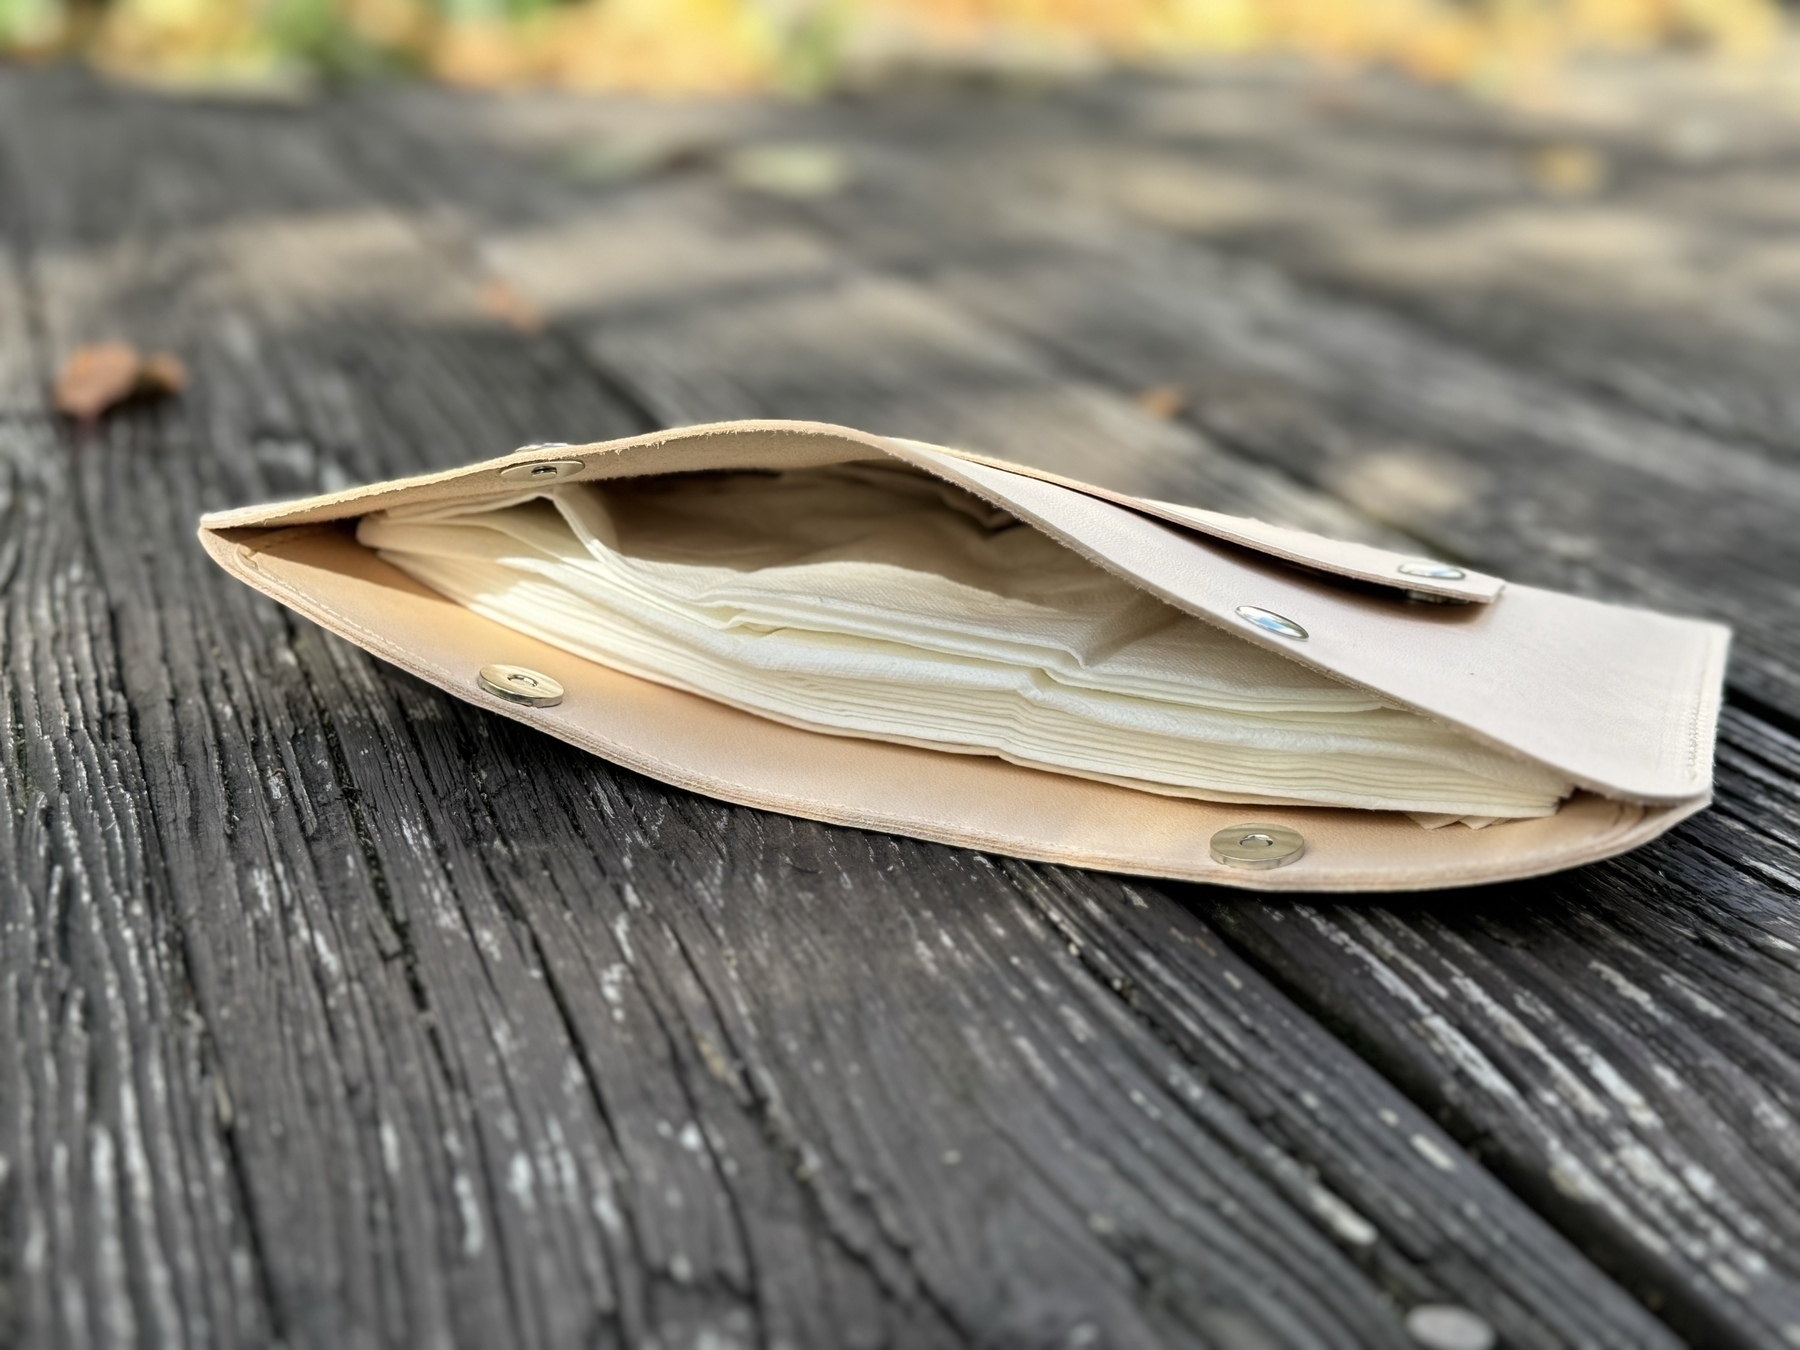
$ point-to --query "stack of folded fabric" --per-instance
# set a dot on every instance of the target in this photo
(871, 600)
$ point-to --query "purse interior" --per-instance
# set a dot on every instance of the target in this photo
(871, 599)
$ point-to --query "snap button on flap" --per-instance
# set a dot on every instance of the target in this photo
(517, 684)
(1257, 846)
(1343, 557)
(1270, 622)
(1432, 571)
(541, 445)
(542, 471)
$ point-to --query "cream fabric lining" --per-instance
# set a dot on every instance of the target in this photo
(871, 600)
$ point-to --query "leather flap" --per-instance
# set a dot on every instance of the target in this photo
(1623, 701)
(788, 445)
(1405, 573)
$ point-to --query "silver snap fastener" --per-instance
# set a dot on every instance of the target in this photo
(541, 445)
(1433, 570)
(1257, 846)
(1270, 622)
(1446, 1326)
(517, 684)
(541, 471)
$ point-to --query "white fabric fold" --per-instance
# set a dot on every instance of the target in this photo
(871, 600)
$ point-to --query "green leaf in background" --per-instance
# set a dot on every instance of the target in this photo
(30, 24)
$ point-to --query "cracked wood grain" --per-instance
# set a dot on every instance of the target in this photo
(1681, 1191)
(431, 1030)
(1618, 1044)
(1657, 277)
(698, 341)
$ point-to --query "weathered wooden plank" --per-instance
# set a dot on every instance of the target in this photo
(1619, 1044)
(1318, 385)
(1627, 231)
(1586, 494)
(351, 1149)
(119, 1189)
(504, 1046)
(703, 338)
(1335, 391)
(708, 305)
(391, 940)
(20, 384)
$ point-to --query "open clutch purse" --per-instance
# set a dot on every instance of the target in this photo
(882, 633)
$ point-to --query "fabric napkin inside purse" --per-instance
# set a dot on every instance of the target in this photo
(870, 599)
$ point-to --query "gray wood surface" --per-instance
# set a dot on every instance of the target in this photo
(334, 1012)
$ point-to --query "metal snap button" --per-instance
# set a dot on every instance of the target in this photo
(1446, 1326)
(1436, 571)
(1270, 622)
(517, 684)
(541, 445)
(542, 471)
(1257, 846)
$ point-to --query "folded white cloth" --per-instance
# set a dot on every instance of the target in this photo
(871, 600)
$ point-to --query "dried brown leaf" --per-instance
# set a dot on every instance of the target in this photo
(96, 377)
(162, 373)
(1163, 400)
(500, 301)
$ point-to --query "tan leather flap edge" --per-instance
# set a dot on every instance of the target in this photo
(967, 800)
(720, 445)
(783, 444)
(1404, 572)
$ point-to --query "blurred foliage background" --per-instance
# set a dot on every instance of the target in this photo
(804, 46)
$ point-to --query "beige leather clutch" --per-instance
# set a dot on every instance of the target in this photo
(1621, 701)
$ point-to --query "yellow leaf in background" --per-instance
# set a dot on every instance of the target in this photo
(218, 45)
(659, 46)
(390, 24)
(519, 312)
(727, 47)
(1163, 401)
(1568, 170)
(479, 52)
(1740, 29)
(1449, 47)
(1622, 23)
(1216, 25)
